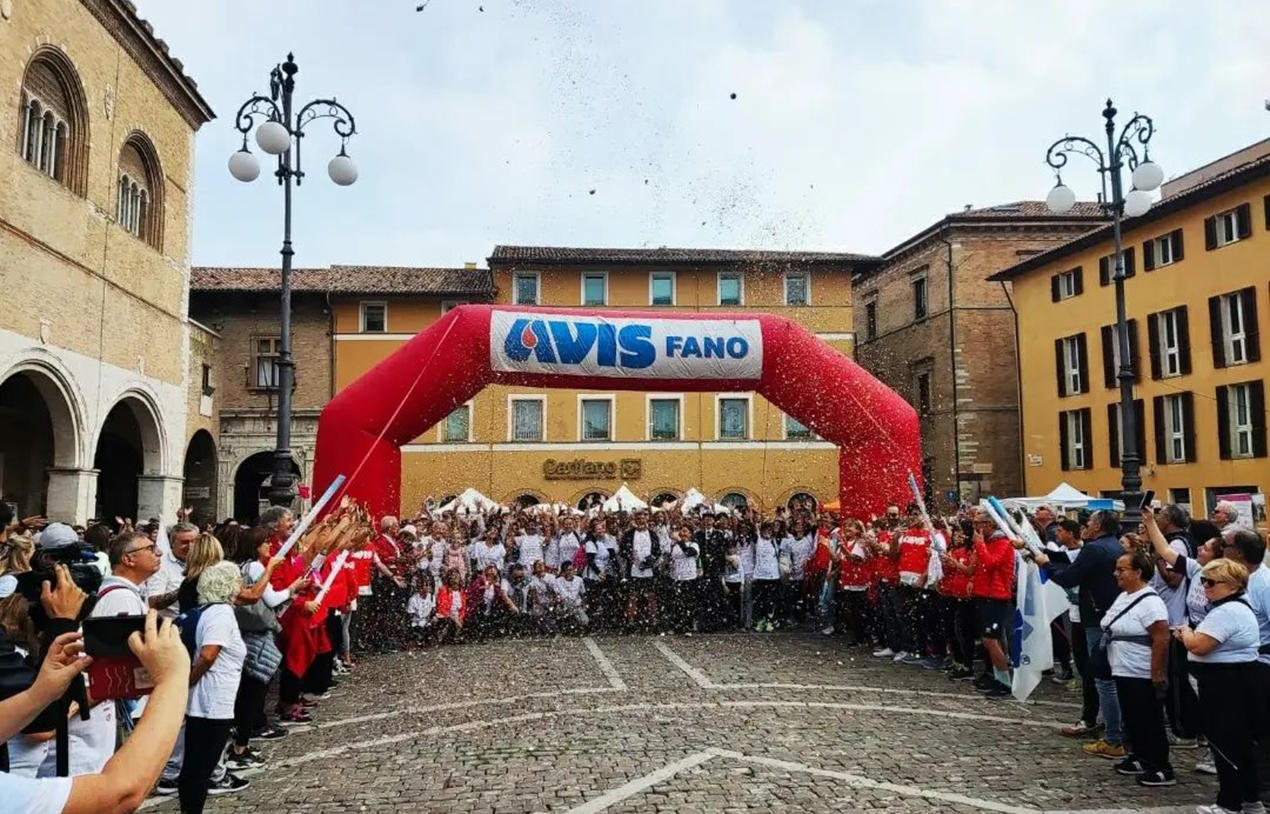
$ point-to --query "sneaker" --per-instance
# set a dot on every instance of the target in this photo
(1062, 675)
(1254, 807)
(313, 698)
(1178, 742)
(244, 760)
(827, 631)
(1214, 809)
(984, 682)
(931, 663)
(1204, 763)
(900, 656)
(229, 784)
(1157, 777)
(948, 665)
(884, 653)
(1100, 748)
(165, 788)
(913, 658)
(297, 716)
(1130, 766)
(998, 691)
(961, 674)
(270, 733)
(1080, 729)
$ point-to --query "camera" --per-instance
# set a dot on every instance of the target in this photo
(78, 562)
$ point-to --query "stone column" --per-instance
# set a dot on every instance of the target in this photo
(158, 496)
(72, 494)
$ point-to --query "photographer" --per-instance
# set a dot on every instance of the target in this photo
(126, 778)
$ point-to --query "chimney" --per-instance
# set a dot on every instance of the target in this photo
(470, 264)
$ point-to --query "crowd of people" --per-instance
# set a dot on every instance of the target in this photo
(1168, 636)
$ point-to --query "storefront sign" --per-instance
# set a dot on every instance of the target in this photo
(582, 469)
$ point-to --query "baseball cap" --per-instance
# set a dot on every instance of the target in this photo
(57, 535)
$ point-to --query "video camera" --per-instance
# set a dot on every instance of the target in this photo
(79, 563)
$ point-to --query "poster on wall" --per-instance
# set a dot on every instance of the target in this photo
(1243, 503)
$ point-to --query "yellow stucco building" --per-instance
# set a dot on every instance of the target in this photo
(1197, 288)
(564, 445)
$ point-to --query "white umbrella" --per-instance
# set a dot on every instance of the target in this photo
(624, 500)
(471, 501)
(691, 500)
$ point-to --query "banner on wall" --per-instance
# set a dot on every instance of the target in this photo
(625, 347)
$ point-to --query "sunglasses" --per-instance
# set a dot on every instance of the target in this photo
(1209, 583)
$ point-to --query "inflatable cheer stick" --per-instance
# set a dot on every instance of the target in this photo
(935, 539)
(311, 515)
(1017, 532)
(330, 578)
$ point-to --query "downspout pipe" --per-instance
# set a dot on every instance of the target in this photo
(952, 356)
(1018, 379)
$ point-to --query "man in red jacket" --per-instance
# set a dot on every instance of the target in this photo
(993, 567)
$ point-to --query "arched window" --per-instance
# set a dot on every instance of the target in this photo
(662, 498)
(139, 209)
(53, 137)
(591, 499)
(803, 501)
(735, 500)
(526, 500)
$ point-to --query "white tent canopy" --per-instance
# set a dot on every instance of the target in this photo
(1065, 496)
(470, 501)
(624, 500)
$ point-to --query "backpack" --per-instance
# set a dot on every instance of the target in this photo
(187, 623)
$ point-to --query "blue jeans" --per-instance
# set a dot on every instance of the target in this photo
(1107, 698)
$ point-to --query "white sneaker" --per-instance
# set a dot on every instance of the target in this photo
(828, 631)
(1256, 807)
(884, 653)
(1214, 809)
(1204, 762)
(900, 656)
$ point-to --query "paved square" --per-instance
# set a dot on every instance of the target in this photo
(725, 723)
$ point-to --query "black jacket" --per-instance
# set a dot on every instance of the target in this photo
(714, 551)
(1093, 574)
(626, 545)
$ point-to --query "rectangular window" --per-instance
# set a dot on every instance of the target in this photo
(208, 387)
(796, 430)
(527, 419)
(1228, 227)
(870, 321)
(661, 288)
(458, 424)
(923, 394)
(1067, 285)
(525, 288)
(1180, 496)
(1239, 403)
(1162, 249)
(266, 352)
(663, 419)
(1073, 376)
(595, 288)
(734, 418)
(919, 298)
(1076, 441)
(1170, 344)
(597, 419)
(797, 289)
(1174, 429)
(730, 292)
(1236, 338)
(374, 317)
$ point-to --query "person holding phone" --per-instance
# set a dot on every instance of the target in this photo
(122, 784)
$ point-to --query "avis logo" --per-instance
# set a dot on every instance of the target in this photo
(552, 341)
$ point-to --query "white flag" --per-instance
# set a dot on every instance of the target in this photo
(1036, 653)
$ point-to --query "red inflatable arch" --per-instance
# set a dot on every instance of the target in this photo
(362, 429)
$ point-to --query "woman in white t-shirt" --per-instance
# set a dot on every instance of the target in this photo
(683, 561)
(767, 577)
(219, 653)
(739, 572)
(489, 551)
(1223, 655)
(1137, 629)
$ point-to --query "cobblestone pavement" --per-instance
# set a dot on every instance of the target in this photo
(725, 723)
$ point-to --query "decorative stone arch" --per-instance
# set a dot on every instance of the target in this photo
(672, 494)
(62, 398)
(144, 406)
(140, 189)
(362, 429)
(52, 78)
(582, 493)
(751, 499)
(791, 493)
(515, 495)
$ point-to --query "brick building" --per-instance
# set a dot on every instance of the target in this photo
(98, 119)
(932, 327)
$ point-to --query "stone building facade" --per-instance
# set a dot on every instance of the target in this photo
(932, 327)
(97, 123)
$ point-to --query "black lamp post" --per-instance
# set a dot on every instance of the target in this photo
(1146, 176)
(278, 132)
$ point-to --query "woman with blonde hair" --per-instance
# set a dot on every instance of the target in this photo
(203, 553)
(15, 554)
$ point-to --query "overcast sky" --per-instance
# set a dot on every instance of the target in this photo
(607, 123)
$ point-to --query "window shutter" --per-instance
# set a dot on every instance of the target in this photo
(1188, 425)
(1251, 326)
(1243, 220)
(1175, 237)
(1223, 422)
(1130, 268)
(1140, 426)
(1087, 428)
(1108, 357)
(1266, 203)
(1184, 338)
(1148, 255)
(1082, 358)
(1135, 363)
(1157, 407)
(1113, 435)
(1257, 404)
(1153, 339)
(1059, 367)
(1210, 232)
(1104, 271)
(1062, 442)
(1055, 294)
(1216, 332)
(1080, 280)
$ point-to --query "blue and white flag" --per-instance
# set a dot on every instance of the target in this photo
(1039, 602)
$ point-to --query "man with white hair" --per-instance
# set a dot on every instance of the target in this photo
(1224, 514)
(160, 589)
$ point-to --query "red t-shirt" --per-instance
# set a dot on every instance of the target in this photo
(363, 560)
(994, 578)
(955, 583)
(819, 562)
(885, 568)
(853, 573)
(914, 554)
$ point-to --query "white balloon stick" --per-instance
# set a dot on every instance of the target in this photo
(310, 516)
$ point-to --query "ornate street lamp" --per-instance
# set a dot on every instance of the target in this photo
(279, 133)
(1146, 176)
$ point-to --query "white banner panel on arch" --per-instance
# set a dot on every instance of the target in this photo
(625, 347)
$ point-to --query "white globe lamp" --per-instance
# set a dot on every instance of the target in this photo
(1061, 199)
(1136, 203)
(1147, 176)
(342, 169)
(273, 138)
(244, 166)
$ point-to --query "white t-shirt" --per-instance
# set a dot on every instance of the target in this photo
(30, 796)
(684, 562)
(1234, 626)
(420, 609)
(486, 555)
(766, 564)
(1258, 597)
(742, 567)
(1174, 598)
(1131, 659)
(799, 550)
(213, 696)
(569, 590)
(1196, 600)
(530, 546)
(641, 548)
(167, 579)
(562, 549)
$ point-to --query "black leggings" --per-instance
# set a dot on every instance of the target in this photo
(1143, 717)
(205, 740)
(766, 594)
(852, 611)
(249, 709)
(290, 686)
(1224, 690)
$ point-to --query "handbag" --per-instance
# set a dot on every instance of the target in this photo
(1099, 660)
